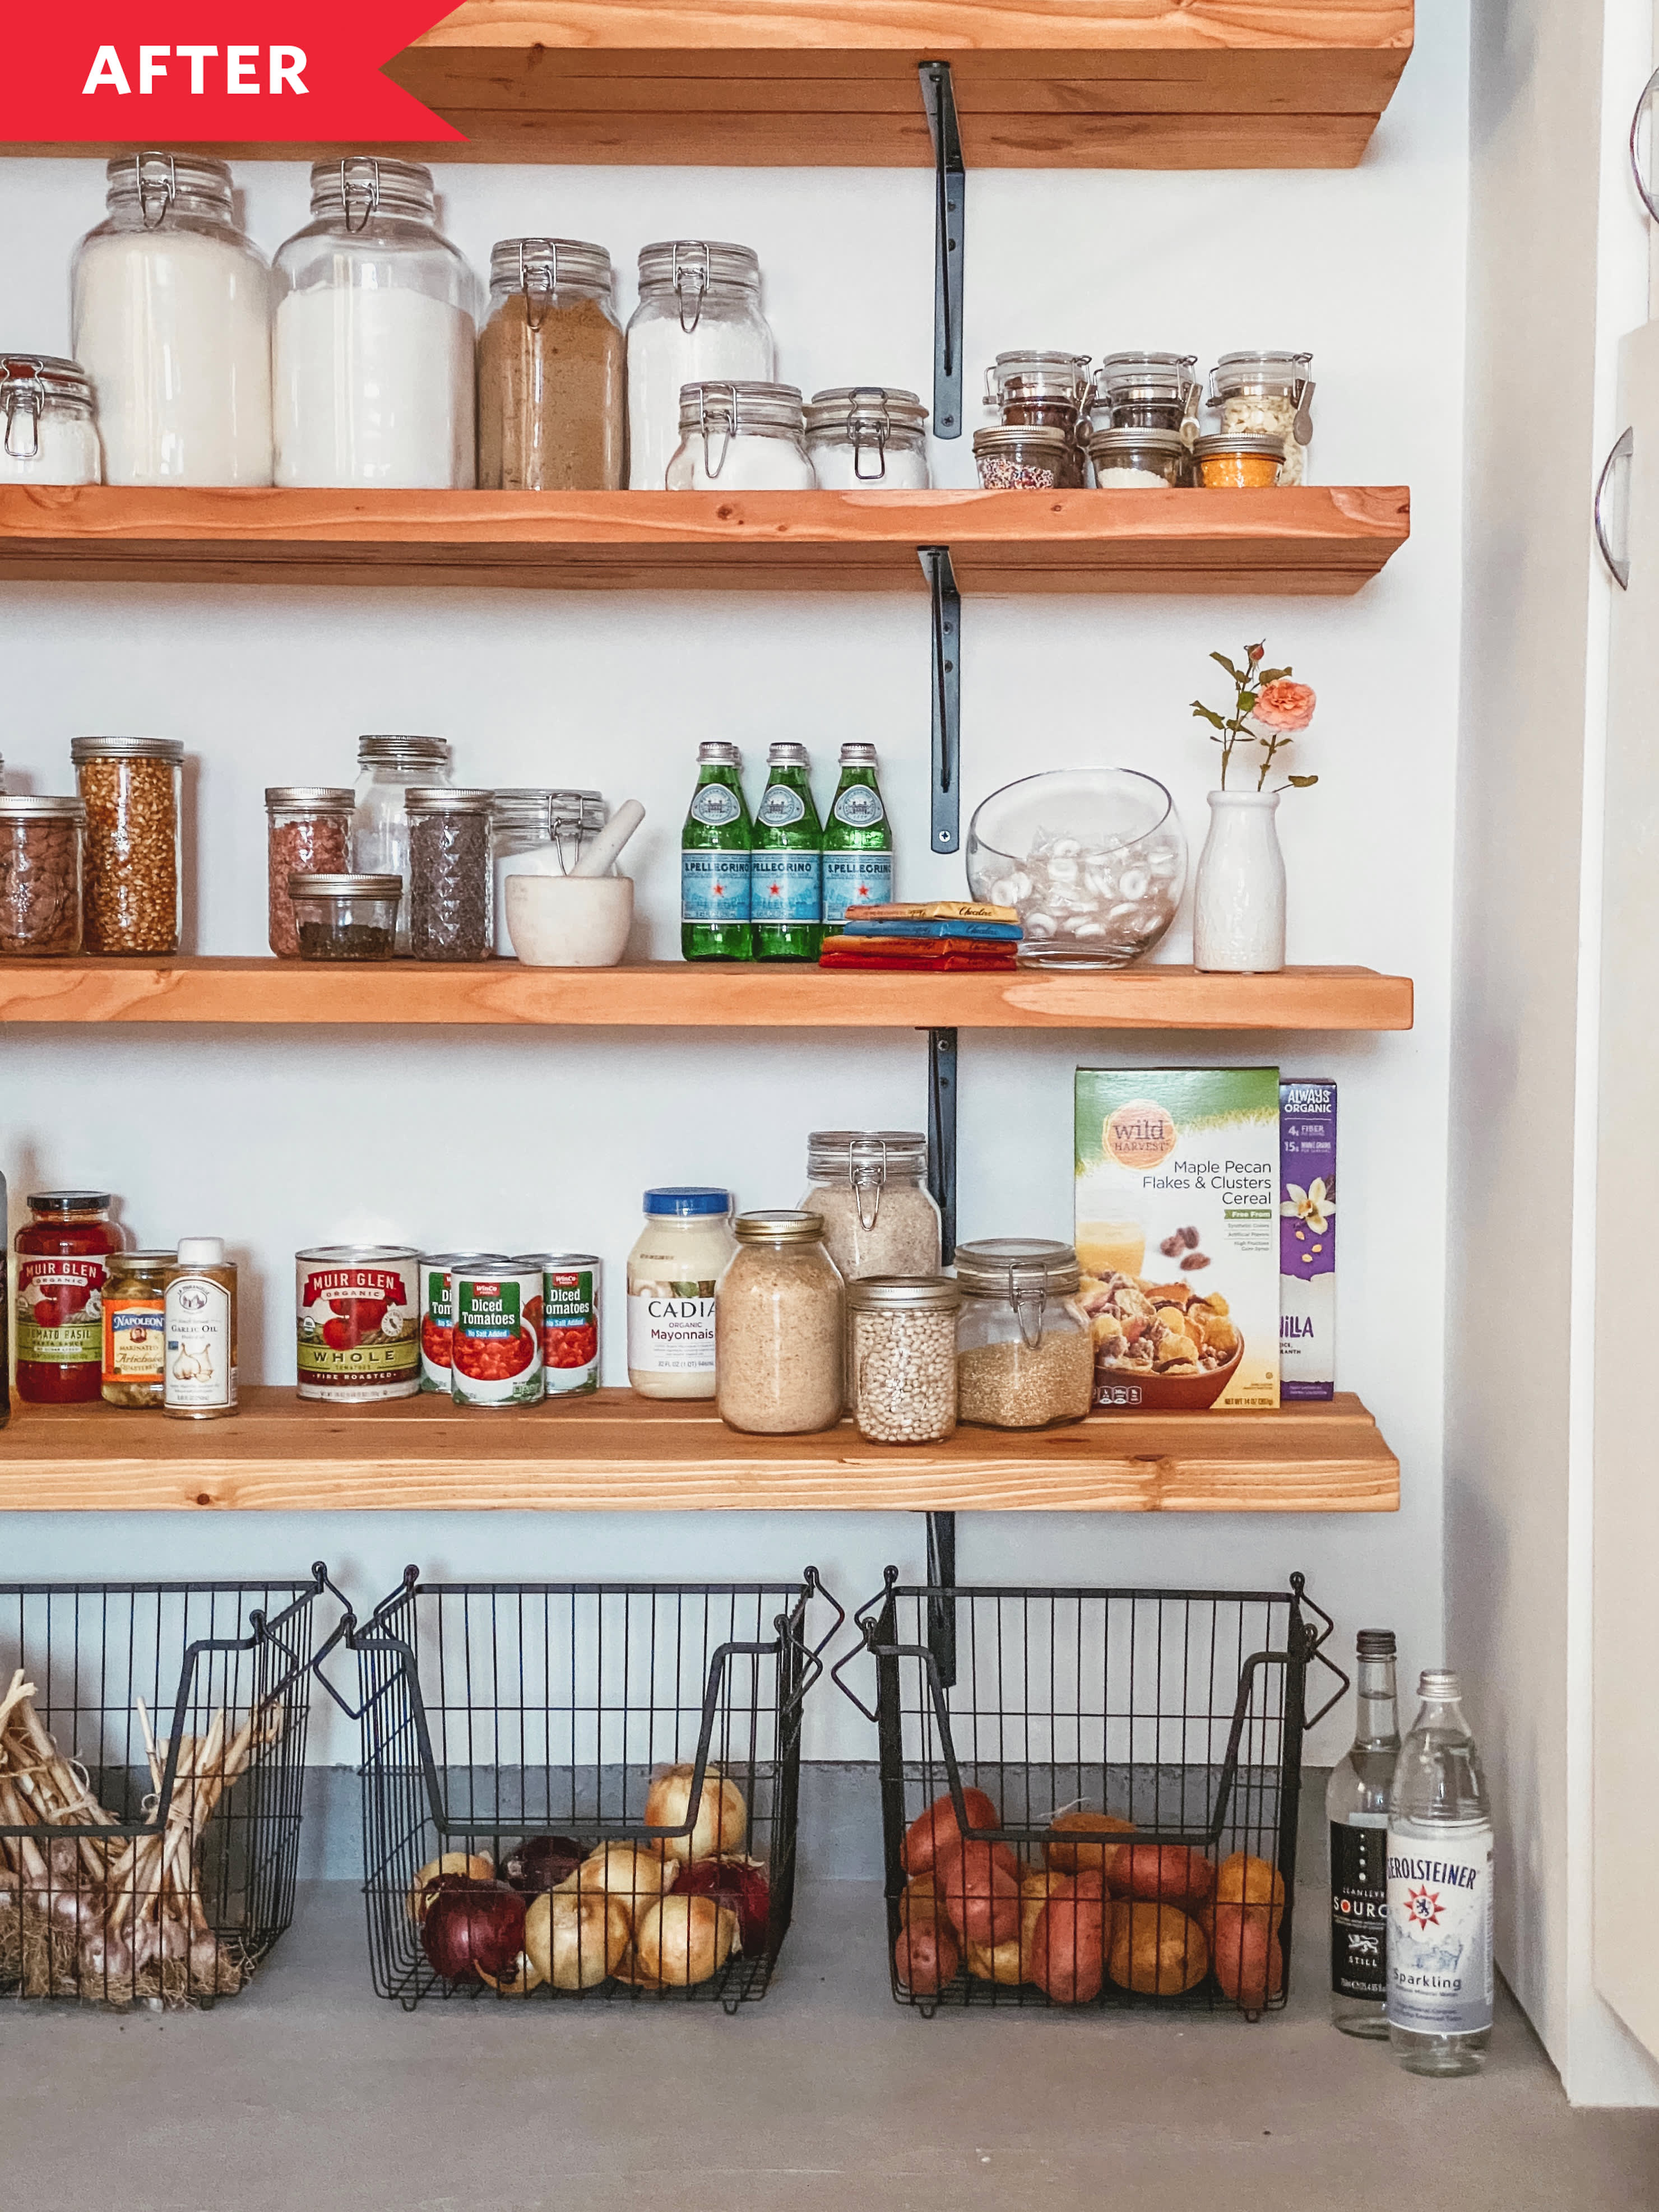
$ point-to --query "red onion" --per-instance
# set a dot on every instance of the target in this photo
(473, 1926)
(740, 1883)
(541, 1863)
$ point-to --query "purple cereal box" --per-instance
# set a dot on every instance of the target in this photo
(1307, 1241)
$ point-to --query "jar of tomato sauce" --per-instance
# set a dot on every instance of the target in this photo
(61, 1256)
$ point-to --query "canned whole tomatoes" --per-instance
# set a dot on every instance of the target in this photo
(356, 1315)
(495, 1353)
(572, 1285)
(438, 1309)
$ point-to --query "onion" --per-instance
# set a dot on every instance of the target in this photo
(575, 1941)
(471, 1866)
(541, 1863)
(520, 1977)
(722, 1820)
(741, 1884)
(473, 1927)
(635, 1874)
(685, 1940)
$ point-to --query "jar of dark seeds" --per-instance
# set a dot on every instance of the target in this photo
(132, 895)
(307, 833)
(345, 917)
(449, 873)
(41, 874)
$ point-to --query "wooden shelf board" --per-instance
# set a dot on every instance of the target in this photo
(1306, 538)
(616, 1453)
(679, 994)
(1089, 84)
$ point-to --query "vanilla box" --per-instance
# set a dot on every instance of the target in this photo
(1307, 1240)
(1177, 1235)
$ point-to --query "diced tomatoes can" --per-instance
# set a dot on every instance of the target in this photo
(495, 1353)
(573, 1285)
(356, 1323)
(438, 1309)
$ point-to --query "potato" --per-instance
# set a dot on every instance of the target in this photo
(1068, 1858)
(1068, 1947)
(978, 1886)
(937, 1826)
(1249, 1964)
(1004, 1962)
(920, 1900)
(1170, 1873)
(1156, 1950)
(1243, 1880)
(927, 1957)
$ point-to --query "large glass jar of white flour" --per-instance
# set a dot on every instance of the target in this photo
(170, 317)
(373, 363)
(699, 321)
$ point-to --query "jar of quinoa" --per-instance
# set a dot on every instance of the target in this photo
(133, 896)
(307, 832)
(356, 1323)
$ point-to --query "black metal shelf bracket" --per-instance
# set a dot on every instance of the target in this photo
(942, 1133)
(945, 835)
(942, 1609)
(949, 241)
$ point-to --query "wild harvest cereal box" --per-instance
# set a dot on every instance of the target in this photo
(1177, 1235)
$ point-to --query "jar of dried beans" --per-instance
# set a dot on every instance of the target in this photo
(1025, 1359)
(1266, 395)
(307, 832)
(449, 879)
(1034, 459)
(550, 370)
(41, 874)
(132, 894)
(780, 1320)
(62, 1254)
(903, 1366)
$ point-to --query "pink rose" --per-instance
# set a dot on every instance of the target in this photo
(1284, 706)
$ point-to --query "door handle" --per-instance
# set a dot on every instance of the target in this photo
(1618, 564)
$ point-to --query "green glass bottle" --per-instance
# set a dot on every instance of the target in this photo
(787, 877)
(715, 862)
(858, 840)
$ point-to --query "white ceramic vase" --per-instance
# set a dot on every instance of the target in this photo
(1238, 893)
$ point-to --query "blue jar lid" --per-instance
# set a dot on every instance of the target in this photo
(686, 1200)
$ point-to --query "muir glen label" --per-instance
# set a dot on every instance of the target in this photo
(60, 1310)
(355, 1325)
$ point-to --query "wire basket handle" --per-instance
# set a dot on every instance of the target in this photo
(812, 1661)
(345, 1631)
(868, 1634)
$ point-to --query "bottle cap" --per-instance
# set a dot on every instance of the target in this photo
(200, 1251)
(1440, 1684)
(1377, 1643)
(688, 1200)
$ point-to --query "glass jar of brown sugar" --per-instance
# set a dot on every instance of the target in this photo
(550, 370)
(307, 832)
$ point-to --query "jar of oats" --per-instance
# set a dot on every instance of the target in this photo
(132, 894)
(779, 1323)
(1025, 1357)
(902, 1378)
(868, 1187)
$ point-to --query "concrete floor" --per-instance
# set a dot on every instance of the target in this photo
(308, 2095)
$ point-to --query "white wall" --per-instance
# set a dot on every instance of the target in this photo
(283, 1139)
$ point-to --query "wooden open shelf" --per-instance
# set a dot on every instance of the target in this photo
(1141, 84)
(1304, 538)
(616, 1453)
(681, 994)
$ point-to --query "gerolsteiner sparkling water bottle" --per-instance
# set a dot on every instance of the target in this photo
(1440, 1891)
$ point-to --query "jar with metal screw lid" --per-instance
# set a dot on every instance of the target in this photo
(1027, 458)
(741, 437)
(1140, 461)
(699, 317)
(780, 1318)
(1266, 395)
(344, 917)
(1025, 1358)
(48, 430)
(135, 1327)
(132, 889)
(865, 437)
(550, 362)
(1046, 391)
(41, 874)
(1147, 391)
(387, 766)
(901, 1332)
(449, 874)
(1240, 463)
(307, 832)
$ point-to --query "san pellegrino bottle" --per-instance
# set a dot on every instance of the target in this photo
(715, 890)
(1440, 1891)
(1356, 1807)
(788, 865)
(858, 840)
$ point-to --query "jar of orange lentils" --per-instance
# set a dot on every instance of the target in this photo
(1238, 463)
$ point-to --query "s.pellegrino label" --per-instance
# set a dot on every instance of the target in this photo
(1440, 1907)
(852, 880)
(715, 887)
(1359, 1908)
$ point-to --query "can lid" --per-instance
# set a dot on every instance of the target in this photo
(97, 749)
(33, 805)
(447, 798)
(342, 886)
(454, 1259)
(400, 750)
(1237, 442)
(779, 1224)
(325, 798)
(903, 1294)
(686, 1201)
(69, 1202)
(200, 1251)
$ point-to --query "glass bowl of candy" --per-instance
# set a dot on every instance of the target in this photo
(1093, 860)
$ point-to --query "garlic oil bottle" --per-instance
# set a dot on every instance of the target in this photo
(200, 1374)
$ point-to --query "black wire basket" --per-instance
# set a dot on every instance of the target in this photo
(152, 1764)
(1179, 1713)
(494, 1715)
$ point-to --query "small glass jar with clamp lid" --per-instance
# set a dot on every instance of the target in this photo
(869, 1188)
(1147, 391)
(1025, 1358)
(866, 437)
(741, 437)
(556, 826)
(48, 430)
(550, 362)
(1266, 395)
(1046, 392)
(699, 318)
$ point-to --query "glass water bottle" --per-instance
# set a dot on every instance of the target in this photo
(715, 887)
(858, 840)
(1440, 1891)
(787, 872)
(1356, 1807)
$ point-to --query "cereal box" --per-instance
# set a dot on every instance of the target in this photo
(1307, 1239)
(1177, 1206)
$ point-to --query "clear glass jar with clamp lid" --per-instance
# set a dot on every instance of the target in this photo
(550, 370)
(741, 437)
(1147, 391)
(869, 1188)
(556, 826)
(1046, 391)
(50, 429)
(1025, 1358)
(868, 437)
(1266, 395)
(699, 320)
